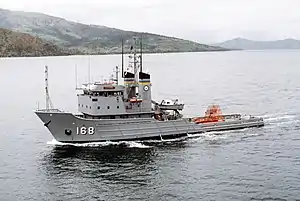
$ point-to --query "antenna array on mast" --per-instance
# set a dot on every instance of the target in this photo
(49, 104)
(135, 60)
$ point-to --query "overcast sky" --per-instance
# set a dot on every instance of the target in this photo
(201, 20)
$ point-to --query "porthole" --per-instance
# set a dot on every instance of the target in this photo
(108, 107)
(98, 107)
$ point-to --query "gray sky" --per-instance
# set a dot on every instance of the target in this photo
(200, 20)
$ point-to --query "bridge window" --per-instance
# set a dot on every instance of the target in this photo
(94, 99)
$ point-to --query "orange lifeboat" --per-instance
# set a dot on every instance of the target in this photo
(212, 114)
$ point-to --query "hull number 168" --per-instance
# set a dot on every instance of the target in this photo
(85, 130)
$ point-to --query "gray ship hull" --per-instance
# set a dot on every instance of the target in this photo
(67, 127)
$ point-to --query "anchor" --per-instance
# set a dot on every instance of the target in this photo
(46, 124)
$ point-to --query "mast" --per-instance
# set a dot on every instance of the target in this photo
(76, 76)
(135, 62)
(89, 71)
(46, 87)
(48, 100)
(122, 58)
(117, 75)
(141, 52)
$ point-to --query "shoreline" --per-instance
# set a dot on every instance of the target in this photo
(114, 53)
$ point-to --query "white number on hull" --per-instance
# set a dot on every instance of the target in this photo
(91, 130)
(85, 130)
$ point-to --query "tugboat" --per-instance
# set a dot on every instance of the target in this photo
(110, 111)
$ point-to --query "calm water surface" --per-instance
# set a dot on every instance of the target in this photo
(251, 164)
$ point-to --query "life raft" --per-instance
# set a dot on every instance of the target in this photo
(212, 114)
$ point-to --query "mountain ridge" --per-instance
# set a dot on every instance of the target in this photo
(93, 39)
(247, 44)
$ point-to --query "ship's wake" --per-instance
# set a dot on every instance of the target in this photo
(128, 144)
(281, 120)
(212, 136)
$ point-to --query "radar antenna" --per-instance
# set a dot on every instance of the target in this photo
(49, 104)
(134, 60)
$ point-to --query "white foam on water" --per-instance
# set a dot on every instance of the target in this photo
(216, 133)
(287, 122)
(250, 135)
(54, 142)
(133, 144)
(280, 118)
(166, 140)
(209, 136)
(218, 136)
(130, 144)
(196, 135)
(271, 115)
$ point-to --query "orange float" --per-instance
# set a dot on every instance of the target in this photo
(135, 100)
(212, 114)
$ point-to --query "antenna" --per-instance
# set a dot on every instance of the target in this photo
(76, 75)
(48, 100)
(141, 56)
(136, 66)
(89, 70)
(117, 75)
(111, 79)
(122, 58)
